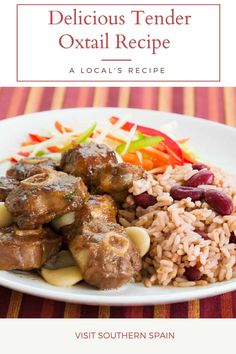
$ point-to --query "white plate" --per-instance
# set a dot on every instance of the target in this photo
(216, 143)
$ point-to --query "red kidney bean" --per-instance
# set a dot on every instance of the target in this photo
(193, 273)
(201, 177)
(219, 201)
(144, 200)
(199, 166)
(203, 234)
(181, 192)
(232, 238)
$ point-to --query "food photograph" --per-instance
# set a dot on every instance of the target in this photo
(117, 202)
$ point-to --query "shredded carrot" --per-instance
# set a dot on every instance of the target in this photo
(28, 143)
(162, 157)
(61, 128)
(115, 138)
(53, 149)
(113, 120)
(133, 159)
(68, 130)
(158, 163)
(112, 137)
(174, 160)
(187, 157)
(147, 164)
(183, 141)
(161, 147)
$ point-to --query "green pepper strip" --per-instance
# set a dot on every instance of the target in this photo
(40, 153)
(140, 144)
(139, 134)
(86, 134)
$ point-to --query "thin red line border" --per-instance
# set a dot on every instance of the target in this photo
(104, 81)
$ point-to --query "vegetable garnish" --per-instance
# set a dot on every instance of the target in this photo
(38, 138)
(139, 134)
(132, 158)
(139, 144)
(172, 145)
(85, 135)
(24, 153)
(188, 154)
(160, 158)
(40, 154)
(62, 129)
(150, 148)
(53, 149)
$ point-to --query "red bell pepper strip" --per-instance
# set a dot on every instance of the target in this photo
(20, 153)
(170, 143)
(53, 149)
(24, 153)
(38, 138)
(61, 128)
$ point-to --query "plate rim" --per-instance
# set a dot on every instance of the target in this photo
(200, 292)
(195, 118)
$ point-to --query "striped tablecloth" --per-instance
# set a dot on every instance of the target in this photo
(217, 104)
